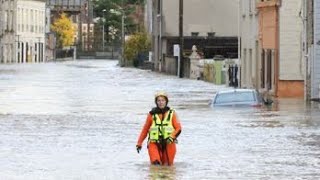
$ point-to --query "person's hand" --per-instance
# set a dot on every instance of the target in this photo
(138, 148)
(170, 140)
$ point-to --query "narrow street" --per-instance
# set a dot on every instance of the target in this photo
(81, 120)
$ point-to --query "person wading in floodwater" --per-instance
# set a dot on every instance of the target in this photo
(163, 127)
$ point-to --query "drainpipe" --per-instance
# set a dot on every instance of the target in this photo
(239, 48)
(305, 49)
(160, 40)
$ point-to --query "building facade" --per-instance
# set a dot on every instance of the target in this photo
(7, 31)
(291, 63)
(250, 54)
(201, 18)
(23, 31)
(81, 14)
(313, 48)
(269, 44)
(280, 39)
(87, 36)
(308, 46)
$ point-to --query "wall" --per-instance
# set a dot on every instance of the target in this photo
(269, 45)
(268, 27)
(202, 16)
(291, 89)
(250, 57)
(315, 65)
(291, 66)
(30, 23)
(7, 30)
(170, 65)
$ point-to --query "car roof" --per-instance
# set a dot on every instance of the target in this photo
(235, 90)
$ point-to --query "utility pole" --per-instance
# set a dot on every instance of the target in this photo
(88, 25)
(122, 35)
(18, 54)
(181, 37)
(239, 45)
(103, 23)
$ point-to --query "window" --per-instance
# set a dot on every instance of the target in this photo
(6, 20)
(11, 20)
(262, 68)
(159, 7)
(250, 67)
(27, 19)
(194, 34)
(269, 69)
(22, 19)
(18, 19)
(31, 21)
(244, 9)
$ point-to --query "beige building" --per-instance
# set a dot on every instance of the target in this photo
(291, 64)
(271, 47)
(250, 56)
(7, 31)
(23, 31)
(201, 18)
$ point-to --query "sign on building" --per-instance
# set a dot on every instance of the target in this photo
(176, 50)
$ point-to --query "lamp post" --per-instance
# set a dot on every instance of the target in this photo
(103, 11)
(181, 38)
(122, 36)
(18, 53)
(239, 41)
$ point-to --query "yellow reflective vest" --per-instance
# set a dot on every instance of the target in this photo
(161, 129)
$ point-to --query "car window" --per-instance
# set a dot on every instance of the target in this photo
(235, 97)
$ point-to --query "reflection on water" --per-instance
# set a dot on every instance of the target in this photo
(162, 172)
(268, 124)
(81, 120)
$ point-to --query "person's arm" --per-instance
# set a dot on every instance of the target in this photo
(177, 126)
(145, 130)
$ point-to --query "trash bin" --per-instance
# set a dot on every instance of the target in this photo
(219, 77)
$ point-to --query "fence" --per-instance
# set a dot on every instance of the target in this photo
(64, 53)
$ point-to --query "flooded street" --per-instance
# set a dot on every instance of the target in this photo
(81, 120)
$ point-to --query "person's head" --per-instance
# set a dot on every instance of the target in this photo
(161, 99)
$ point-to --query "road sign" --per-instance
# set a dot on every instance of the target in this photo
(176, 50)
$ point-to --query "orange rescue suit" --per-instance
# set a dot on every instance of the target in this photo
(157, 153)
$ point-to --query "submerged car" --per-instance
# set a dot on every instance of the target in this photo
(238, 97)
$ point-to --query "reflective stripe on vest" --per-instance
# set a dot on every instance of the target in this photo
(160, 128)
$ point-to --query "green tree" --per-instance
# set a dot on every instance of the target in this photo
(137, 43)
(111, 11)
(64, 29)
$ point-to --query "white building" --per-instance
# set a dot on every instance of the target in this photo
(200, 18)
(23, 31)
(250, 56)
(312, 51)
(7, 31)
(291, 63)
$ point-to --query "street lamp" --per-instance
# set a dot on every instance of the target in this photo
(121, 8)
(180, 63)
(18, 48)
(103, 11)
(122, 35)
(239, 7)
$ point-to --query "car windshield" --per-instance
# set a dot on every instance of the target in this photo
(235, 97)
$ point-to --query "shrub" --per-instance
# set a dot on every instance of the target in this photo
(137, 43)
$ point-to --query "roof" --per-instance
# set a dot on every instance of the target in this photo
(235, 90)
